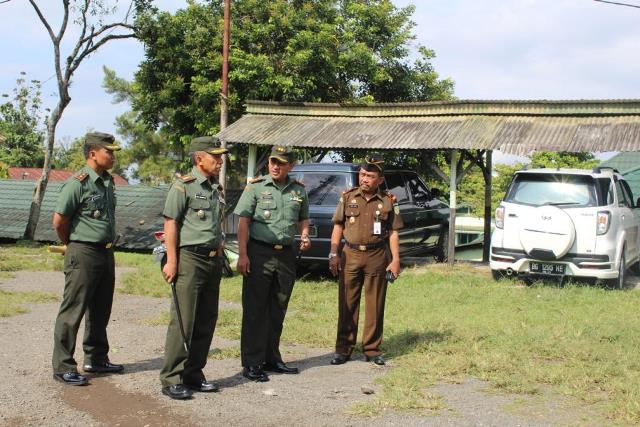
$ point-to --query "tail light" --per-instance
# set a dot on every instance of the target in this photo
(500, 217)
(604, 220)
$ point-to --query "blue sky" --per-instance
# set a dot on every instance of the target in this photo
(492, 49)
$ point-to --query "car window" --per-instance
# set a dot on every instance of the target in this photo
(394, 184)
(323, 188)
(605, 190)
(418, 190)
(549, 189)
(628, 192)
(623, 197)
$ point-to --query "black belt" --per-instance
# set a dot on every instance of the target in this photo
(277, 247)
(209, 251)
(368, 247)
(107, 245)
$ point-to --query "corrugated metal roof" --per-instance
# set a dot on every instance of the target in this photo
(515, 127)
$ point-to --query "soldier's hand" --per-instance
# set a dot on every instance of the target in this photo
(243, 265)
(170, 272)
(305, 243)
(334, 265)
(394, 267)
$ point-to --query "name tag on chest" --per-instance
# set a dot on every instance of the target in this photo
(377, 228)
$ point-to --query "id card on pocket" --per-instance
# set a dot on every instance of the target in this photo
(377, 228)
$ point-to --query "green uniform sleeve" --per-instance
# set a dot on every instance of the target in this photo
(304, 209)
(246, 206)
(174, 206)
(70, 198)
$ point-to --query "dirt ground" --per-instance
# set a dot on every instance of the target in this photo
(320, 395)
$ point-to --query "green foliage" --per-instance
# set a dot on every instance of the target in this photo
(22, 136)
(563, 159)
(282, 50)
(4, 170)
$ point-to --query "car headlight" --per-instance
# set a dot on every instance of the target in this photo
(500, 217)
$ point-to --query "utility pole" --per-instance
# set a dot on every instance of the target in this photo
(224, 107)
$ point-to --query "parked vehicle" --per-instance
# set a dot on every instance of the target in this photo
(566, 222)
(426, 218)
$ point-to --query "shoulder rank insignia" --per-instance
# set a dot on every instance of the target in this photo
(257, 179)
(81, 177)
(298, 182)
(391, 196)
(349, 190)
(187, 178)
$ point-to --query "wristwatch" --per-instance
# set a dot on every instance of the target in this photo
(332, 254)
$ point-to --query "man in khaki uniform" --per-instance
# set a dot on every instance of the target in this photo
(85, 222)
(271, 210)
(369, 221)
(193, 214)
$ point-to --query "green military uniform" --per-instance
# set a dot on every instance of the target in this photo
(89, 200)
(197, 204)
(275, 210)
(364, 260)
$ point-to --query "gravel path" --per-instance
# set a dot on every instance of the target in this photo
(321, 395)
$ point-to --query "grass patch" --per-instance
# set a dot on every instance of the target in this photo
(224, 353)
(12, 303)
(27, 255)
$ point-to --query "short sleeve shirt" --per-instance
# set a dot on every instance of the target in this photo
(89, 200)
(197, 204)
(357, 215)
(274, 209)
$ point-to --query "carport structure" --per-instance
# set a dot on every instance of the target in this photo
(470, 129)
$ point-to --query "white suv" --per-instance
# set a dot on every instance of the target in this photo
(566, 222)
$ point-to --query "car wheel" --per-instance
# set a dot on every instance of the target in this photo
(618, 282)
(442, 253)
(497, 275)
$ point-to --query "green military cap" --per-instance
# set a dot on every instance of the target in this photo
(101, 139)
(282, 153)
(208, 144)
(373, 163)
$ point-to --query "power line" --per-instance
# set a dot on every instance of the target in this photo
(619, 4)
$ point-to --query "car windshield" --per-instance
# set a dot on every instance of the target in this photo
(323, 188)
(551, 189)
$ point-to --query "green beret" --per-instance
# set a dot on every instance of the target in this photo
(282, 153)
(373, 163)
(208, 144)
(101, 139)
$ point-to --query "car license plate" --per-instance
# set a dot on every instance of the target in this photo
(546, 268)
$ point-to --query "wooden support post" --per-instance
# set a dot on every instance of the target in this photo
(451, 253)
(251, 161)
(488, 214)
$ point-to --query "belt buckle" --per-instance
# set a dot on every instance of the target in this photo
(277, 247)
(362, 248)
(108, 245)
(212, 253)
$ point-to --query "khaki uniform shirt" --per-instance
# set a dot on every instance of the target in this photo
(89, 200)
(274, 210)
(197, 204)
(357, 216)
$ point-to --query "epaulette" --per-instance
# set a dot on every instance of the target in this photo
(298, 182)
(350, 190)
(187, 178)
(391, 196)
(257, 179)
(82, 176)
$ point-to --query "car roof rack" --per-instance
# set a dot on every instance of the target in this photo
(598, 169)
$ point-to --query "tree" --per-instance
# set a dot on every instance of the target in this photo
(21, 126)
(281, 50)
(93, 32)
(563, 159)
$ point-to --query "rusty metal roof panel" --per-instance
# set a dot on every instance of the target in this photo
(510, 134)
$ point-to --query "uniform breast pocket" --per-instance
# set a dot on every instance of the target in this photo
(352, 215)
(265, 210)
(293, 208)
(95, 208)
(200, 208)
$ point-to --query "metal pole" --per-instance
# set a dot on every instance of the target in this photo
(224, 108)
(487, 206)
(452, 207)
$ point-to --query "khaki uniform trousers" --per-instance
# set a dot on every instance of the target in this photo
(265, 296)
(89, 275)
(361, 269)
(198, 289)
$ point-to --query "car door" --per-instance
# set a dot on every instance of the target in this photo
(628, 217)
(431, 212)
(395, 184)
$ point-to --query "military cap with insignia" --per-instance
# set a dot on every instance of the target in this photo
(282, 153)
(101, 139)
(373, 163)
(208, 144)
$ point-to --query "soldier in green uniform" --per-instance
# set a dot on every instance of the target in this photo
(85, 222)
(271, 210)
(193, 214)
(369, 221)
